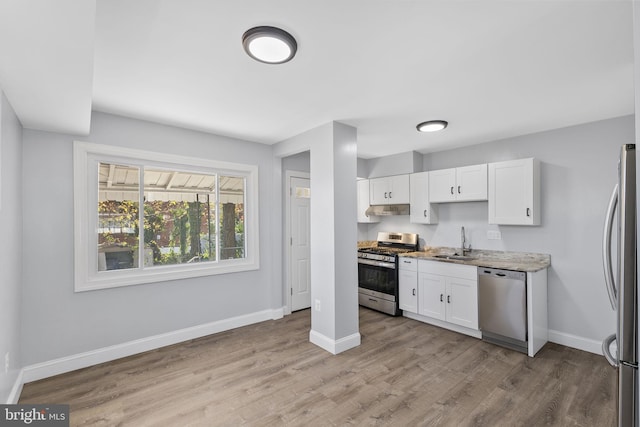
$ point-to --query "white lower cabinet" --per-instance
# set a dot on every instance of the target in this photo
(462, 301)
(432, 291)
(446, 295)
(408, 284)
(448, 292)
(440, 293)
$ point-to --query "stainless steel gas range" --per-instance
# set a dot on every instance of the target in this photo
(378, 271)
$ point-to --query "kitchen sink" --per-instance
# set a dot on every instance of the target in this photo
(454, 257)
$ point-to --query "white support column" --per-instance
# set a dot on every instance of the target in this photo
(334, 269)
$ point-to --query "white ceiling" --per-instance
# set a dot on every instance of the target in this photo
(493, 69)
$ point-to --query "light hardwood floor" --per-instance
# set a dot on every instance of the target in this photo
(405, 373)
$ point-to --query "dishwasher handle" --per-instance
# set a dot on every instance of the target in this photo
(510, 274)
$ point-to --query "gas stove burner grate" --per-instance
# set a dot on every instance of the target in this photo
(385, 251)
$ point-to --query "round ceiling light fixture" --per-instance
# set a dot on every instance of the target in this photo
(432, 126)
(270, 45)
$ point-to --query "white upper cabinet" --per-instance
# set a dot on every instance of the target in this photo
(390, 190)
(422, 212)
(441, 185)
(463, 184)
(514, 192)
(471, 183)
(363, 202)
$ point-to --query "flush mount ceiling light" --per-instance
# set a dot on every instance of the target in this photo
(270, 45)
(432, 126)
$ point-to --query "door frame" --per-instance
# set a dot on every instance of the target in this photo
(287, 234)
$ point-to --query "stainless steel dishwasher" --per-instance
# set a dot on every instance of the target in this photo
(502, 307)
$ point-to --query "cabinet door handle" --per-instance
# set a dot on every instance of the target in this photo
(458, 189)
(441, 296)
(389, 194)
(528, 212)
(406, 261)
(414, 292)
(425, 213)
(451, 190)
(448, 299)
(385, 194)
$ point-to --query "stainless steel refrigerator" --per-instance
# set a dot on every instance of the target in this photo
(622, 285)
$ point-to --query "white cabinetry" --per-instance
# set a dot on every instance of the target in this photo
(446, 295)
(422, 212)
(390, 190)
(448, 292)
(463, 184)
(514, 192)
(363, 202)
(441, 185)
(432, 291)
(408, 284)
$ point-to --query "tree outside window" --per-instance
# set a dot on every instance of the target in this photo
(179, 217)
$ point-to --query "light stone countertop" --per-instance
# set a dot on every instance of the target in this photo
(519, 261)
(367, 244)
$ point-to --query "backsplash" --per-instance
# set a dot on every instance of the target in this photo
(473, 216)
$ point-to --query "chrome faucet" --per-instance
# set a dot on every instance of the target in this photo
(463, 249)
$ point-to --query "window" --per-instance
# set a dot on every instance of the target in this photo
(144, 217)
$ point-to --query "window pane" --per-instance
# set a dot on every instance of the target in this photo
(118, 203)
(232, 241)
(303, 192)
(179, 217)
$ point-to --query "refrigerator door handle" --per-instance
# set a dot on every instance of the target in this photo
(606, 350)
(606, 249)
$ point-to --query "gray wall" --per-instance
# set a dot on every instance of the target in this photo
(578, 169)
(11, 248)
(58, 322)
(300, 162)
(396, 164)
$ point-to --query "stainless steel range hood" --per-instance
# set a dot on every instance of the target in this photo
(387, 210)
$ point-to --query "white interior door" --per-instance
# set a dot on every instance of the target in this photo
(300, 247)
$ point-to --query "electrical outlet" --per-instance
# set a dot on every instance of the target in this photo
(317, 305)
(494, 235)
(6, 363)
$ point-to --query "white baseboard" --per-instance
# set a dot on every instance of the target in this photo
(14, 396)
(106, 354)
(334, 346)
(574, 341)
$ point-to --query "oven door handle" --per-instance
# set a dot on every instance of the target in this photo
(377, 263)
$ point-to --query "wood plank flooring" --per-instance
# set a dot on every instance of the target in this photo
(405, 373)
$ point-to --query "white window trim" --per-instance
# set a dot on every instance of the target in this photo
(87, 278)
